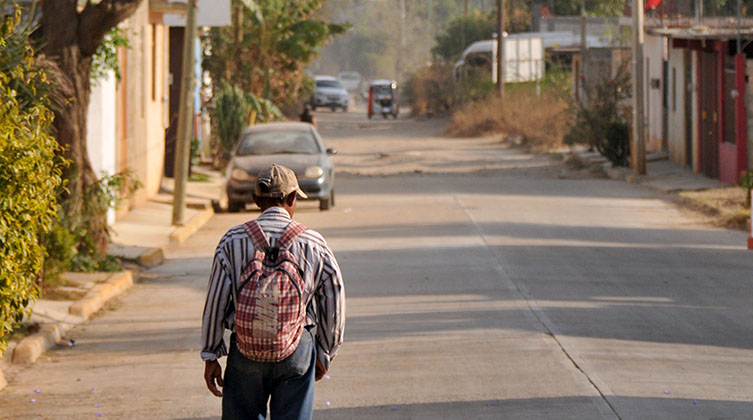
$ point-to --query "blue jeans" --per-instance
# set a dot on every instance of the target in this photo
(288, 385)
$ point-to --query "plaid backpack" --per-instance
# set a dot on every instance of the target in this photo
(271, 311)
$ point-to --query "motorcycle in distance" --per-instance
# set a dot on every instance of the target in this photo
(383, 98)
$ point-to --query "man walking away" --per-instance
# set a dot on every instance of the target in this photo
(277, 287)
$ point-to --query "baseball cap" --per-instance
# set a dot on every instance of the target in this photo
(277, 181)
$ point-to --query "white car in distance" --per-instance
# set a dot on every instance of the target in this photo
(329, 93)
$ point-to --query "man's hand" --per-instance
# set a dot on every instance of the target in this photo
(212, 372)
(320, 370)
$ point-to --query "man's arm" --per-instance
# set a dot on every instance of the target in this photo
(213, 322)
(212, 375)
(330, 302)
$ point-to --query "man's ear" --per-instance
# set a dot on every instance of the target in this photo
(290, 199)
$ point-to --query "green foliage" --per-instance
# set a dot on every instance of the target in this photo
(746, 183)
(69, 244)
(29, 175)
(106, 57)
(462, 32)
(593, 7)
(231, 116)
(599, 118)
(265, 109)
(233, 111)
(267, 49)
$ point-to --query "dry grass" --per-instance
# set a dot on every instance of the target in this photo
(430, 90)
(540, 120)
(725, 205)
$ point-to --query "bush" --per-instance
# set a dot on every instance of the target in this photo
(431, 90)
(29, 175)
(68, 245)
(599, 118)
(746, 183)
(231, 117)
(540, 120)
(233, 111)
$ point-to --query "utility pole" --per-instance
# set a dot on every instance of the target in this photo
(638, 149)
(698, 13)
(582, 68)
(465, 24)
(401, 53)
(185, 116)
(501, 47)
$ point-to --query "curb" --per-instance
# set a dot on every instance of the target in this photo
(152, 257)
(179, 235)
(96, 298)
(31, 347)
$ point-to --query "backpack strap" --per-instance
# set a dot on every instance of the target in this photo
(291, 233)
(257, 235)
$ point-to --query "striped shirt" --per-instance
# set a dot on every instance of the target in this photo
(323, 290)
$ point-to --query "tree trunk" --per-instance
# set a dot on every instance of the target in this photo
(70, 39)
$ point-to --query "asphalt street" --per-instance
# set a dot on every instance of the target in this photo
(480, 285)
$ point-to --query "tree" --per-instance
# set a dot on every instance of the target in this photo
(593, 7)
(71, 37)
(29, 172)
(266, 50)
(462, 32)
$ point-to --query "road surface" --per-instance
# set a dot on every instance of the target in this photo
(481, 284)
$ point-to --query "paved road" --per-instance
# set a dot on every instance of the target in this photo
(502, 293)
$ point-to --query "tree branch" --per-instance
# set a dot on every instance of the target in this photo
(97, 19)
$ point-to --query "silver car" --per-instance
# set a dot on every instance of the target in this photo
(296, 145)
(329, 92)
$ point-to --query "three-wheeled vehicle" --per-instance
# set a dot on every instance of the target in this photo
(383, 98)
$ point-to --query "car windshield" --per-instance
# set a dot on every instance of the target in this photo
(328, 84)
(382, 90)
(278, 142)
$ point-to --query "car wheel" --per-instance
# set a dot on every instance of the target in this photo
(325, 204)
(332, 197)
(235, 206)
(313, 107)
(345, 109)
(334, 109)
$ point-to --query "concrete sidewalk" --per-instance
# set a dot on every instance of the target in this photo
(662, 174)
(146, 233)
(143, 236)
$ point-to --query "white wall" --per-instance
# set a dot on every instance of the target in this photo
(100, 130)
(210, 13)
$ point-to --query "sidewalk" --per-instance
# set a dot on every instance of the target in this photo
(142, 236)
(662, 174)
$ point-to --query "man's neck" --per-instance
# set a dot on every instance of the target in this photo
(283, 208)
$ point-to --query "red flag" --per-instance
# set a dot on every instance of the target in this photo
(652, 4)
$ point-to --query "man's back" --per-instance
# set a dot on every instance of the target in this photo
(253, 382)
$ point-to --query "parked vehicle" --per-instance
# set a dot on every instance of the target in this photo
(351, 80)
(329, 92)
(383, 98)
(296, 145)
